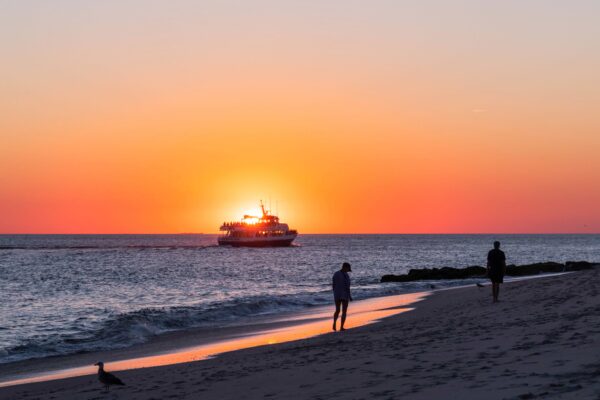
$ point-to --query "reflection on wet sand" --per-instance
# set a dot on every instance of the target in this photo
(317, 322)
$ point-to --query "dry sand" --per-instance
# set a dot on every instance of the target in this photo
(540, 341)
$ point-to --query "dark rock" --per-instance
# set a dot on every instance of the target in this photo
(480, 272)
(436, 274)
(579, 265)
(534, 269)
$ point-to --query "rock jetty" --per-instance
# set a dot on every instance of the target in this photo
(477, 271)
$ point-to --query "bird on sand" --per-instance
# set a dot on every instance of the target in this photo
(479, 284)
(106, 378)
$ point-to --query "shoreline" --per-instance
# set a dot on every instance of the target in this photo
(203, 343)
(199, 344)
(539, 341)
(194, 336)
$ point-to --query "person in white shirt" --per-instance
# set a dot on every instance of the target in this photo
(341, 294)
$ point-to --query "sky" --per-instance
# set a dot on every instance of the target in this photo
(346, 116)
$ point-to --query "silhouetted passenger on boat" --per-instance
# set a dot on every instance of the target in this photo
(341, 294)
(496, 266)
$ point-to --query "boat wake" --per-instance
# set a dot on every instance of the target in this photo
(132, 247)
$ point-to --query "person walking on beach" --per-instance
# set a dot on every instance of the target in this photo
(341, 294)
(496, 267)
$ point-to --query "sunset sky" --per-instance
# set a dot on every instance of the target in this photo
(352, 116)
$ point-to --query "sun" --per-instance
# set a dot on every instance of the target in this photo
(250, 220)
(252, 217)
(255, 212)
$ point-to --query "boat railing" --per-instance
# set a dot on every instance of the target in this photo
(246, 224)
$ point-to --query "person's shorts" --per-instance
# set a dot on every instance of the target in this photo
(496, 275)
(336, 299)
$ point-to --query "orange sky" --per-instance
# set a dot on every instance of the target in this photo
(420, 117)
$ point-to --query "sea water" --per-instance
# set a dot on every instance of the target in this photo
(65, 294)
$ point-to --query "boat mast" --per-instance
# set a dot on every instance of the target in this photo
(262, 207)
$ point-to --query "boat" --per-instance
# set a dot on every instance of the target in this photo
(257, 231)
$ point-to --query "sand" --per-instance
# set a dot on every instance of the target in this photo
(540, 341)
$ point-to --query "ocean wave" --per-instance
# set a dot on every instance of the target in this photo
(126, 329)
(120, 330)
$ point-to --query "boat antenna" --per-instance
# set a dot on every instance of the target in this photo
(262, 207)
(270, 209)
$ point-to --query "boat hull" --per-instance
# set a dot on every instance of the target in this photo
(256, 242)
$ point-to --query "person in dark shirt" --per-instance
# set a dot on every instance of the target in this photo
(496, 267)
(341, 293)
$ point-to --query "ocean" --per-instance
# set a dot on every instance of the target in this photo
(67, 294)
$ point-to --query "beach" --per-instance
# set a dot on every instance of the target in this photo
(194, 192)
(539, 341)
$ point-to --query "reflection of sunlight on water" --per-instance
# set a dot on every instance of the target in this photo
(360, 313)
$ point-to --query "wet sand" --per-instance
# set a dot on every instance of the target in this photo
(540, 341)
